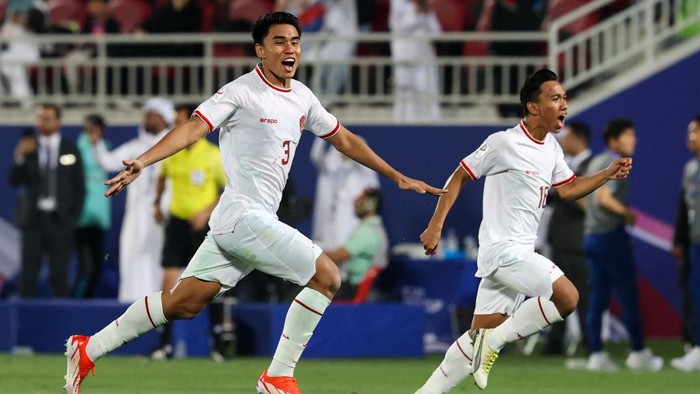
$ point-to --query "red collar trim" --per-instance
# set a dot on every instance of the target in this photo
(262, 76)
(527, 133)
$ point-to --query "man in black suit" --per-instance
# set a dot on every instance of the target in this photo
(50, 173)
(566, 231)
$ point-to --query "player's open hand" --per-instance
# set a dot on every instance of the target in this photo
(430, 240)
(419, 187)
(123, 179)
(620, 168)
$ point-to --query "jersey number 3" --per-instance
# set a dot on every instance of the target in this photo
(544, 190)
(285, 159)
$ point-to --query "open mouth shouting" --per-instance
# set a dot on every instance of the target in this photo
(560, 121)
(288, 64)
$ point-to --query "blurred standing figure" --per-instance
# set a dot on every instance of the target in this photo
(689, 256)
(609, 256)
(96, 216)
(21, 51)
(566, 231)
(339, 181)
(416, 84)
(50, 172)
(141, 237)
(197, 178)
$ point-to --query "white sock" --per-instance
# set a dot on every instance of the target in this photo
(142, 316)
(532, 316)
(454, 368)
(303, 316)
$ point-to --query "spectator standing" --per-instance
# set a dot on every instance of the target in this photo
(49, 171)
(197, 178)
(339, 181)
(141, 237)
(21, 51)
(368, 245)
(416, 84)
(566, 231)
(609, 255)
(96, 217)
(689, 257)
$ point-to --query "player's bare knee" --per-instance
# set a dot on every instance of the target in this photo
(566, 301)
(327, 277)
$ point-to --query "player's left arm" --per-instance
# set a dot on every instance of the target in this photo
(582, 186)
(174, 141)
(347, 143)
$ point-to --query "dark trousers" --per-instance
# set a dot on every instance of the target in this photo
(50, 237)
(611, 265)
(573, 263)
(694, 289)
(89, 245)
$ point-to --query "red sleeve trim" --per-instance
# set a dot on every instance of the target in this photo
(467, 169)
(204, 118)
(562, 183)
(332, 133)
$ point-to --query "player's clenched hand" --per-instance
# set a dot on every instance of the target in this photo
(123, 179)
(430, 240)
(419, 186)
(620, 168)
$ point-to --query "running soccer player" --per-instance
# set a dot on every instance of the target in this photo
(261, 116)
(521, 165)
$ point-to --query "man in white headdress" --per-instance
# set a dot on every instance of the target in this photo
(141, 238)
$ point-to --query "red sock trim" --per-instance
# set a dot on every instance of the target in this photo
(462, 350)
(148, 312)
(308, 307)
(539, 302)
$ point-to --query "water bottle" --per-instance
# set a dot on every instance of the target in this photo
(471, 248)
(452, 245)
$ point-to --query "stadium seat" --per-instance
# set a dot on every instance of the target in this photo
(249, 10)
(363, 289)
(130, 14)
(67, 13)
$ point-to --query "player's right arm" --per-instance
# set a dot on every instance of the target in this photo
(176, 140)
(431, 236)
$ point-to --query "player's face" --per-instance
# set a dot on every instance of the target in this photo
(625, 143)
(552, 106)
(694, 136)
(280, 53)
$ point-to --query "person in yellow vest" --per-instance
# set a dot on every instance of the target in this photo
(197, 179)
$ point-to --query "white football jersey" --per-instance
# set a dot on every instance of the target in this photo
(520, 171)
(260, 128)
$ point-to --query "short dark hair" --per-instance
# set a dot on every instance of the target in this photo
(615, 127)
(56, 109)
(697, 118)
(189, 108)
(580, 129)
(96, 119)
(262, 25)
(531, 88)
(376, 195)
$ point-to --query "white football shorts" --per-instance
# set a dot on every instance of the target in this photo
(259, 241)
(521, 273)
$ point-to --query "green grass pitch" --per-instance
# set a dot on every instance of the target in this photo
(512, 373)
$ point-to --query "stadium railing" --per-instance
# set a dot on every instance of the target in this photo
(116, 76)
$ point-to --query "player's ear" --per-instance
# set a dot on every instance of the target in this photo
(532, 108)
(259, 51)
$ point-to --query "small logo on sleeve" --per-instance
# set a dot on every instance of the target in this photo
(302, 122)
(481, 151)
(268, 120)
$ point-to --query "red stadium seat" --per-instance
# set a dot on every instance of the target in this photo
(67, 13)
(363, 289)
(130, 14)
